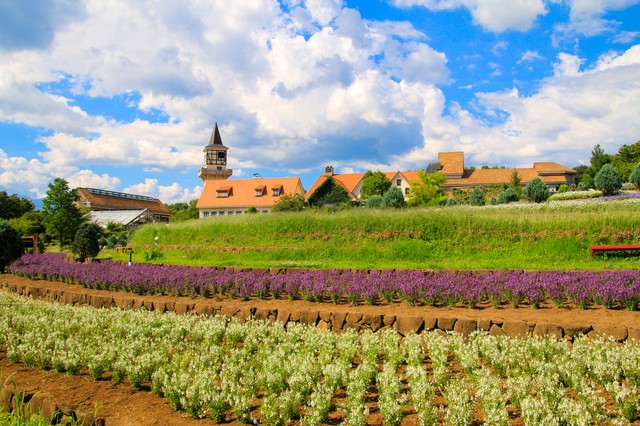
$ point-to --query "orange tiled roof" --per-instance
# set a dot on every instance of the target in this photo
(100, 200)
(452, 163)
(349, 181)
(243, 192)
(481, 177)
(551, 167)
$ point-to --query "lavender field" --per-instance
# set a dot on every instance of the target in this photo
(618, 289)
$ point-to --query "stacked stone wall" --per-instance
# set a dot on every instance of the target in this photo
(326, 319)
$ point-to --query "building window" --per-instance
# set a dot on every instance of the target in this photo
(238, 212)
(205, 214)
(276, 191)
(406, 191)
(224, 192)
(221, 213)
(214, 213)
(229, 213)
(398, 182)
(260, 191)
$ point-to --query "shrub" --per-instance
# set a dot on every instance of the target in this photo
(393, 198)
(374, 202)
(493, 201)
(583, 186)
(608, 180)
(635, 176)
(451, 202)
(10, 244)
(252, 210)
(563, 188)
(536, 191)
(507, 196)
(122, 239)
(85, 243)
(290, 203)
(477, 197)
(152, 254)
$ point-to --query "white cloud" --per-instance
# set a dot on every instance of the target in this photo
(586, 18)
(530, 56)
(567, 65)
(492, 15)
(89, 179)
(166, 193)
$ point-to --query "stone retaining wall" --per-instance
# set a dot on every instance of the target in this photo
(326, 319)
(29, 403)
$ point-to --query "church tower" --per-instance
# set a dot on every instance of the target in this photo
(215, 159)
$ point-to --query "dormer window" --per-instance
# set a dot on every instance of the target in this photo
(260, 190)
(224, 192)
(276, 191)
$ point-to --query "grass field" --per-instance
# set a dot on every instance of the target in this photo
(555, 235)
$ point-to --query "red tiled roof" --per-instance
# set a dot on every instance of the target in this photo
(243, 192)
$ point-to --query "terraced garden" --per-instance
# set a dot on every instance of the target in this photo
(235, 368)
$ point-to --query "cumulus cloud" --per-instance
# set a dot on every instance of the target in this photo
(167, 193)
(293, 84)
(586, 18)
(28, 24)
(492, 15)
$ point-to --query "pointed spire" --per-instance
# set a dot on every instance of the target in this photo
(215, 136)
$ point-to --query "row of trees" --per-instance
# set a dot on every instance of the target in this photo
(624, 162)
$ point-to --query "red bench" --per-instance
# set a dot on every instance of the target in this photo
(594, 249)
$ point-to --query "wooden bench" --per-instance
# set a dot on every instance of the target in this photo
(594, 249)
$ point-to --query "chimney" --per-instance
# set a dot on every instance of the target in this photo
(328, 171)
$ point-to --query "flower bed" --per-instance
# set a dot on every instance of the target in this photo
(608, 289)
(259, 371)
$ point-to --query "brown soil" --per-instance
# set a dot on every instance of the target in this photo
(121, 404)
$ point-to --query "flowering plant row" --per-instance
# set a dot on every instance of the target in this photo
(609, 289)
(258, 371)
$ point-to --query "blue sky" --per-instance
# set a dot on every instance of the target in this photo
(123, 95)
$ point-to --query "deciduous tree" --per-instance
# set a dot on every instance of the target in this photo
(12, 206)
(374, 183)
(290, 203)
(426, 189)
(61, 216)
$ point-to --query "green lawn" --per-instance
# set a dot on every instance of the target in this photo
(554, 235)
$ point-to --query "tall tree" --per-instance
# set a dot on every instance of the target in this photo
(12, 206)
(426, 188)
(374, 183)
(598, 159)
(183, 211)
(61, 216)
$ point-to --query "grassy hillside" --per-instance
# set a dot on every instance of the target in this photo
(550, 236)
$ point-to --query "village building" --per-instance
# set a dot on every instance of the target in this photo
(222, 196)
(128, 210)
(352, 182)
(451, 165)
